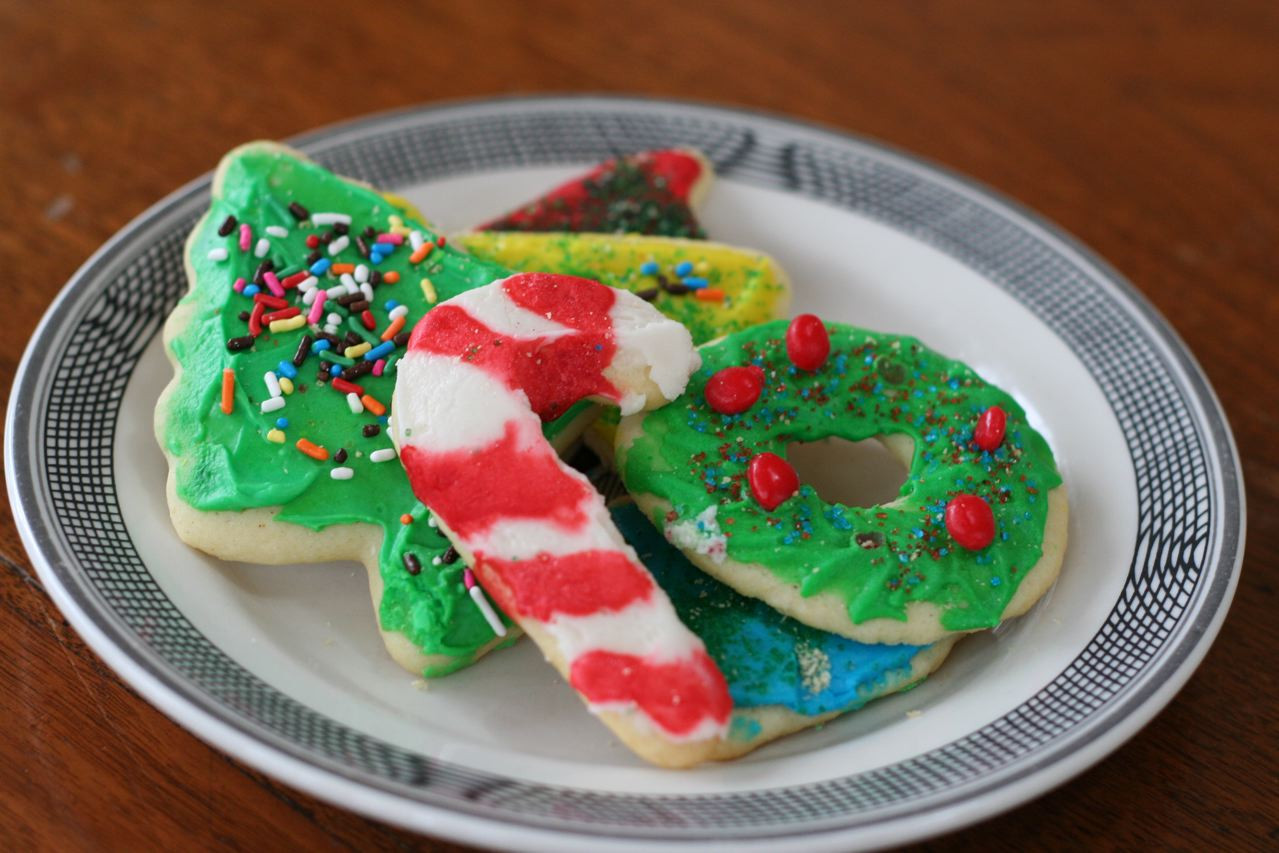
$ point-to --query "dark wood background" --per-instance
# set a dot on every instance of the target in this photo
(1148, 129)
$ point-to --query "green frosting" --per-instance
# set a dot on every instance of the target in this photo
(876, 559)
(225, 462)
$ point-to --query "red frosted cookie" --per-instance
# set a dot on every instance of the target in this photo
(651, 192)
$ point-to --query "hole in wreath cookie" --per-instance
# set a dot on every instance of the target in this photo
(853, 473)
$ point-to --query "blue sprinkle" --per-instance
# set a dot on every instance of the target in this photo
(649, 268)
(252, 290)
(320, 346)
(599, 347)
(321, 266)
(391, 305)
(384, 420)
(286, 368)
(335, 370)
(695, 283)
(995, 581)
(282, 423)
(683, 268)
(382, 350)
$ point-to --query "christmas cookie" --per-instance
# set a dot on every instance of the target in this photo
(482, 372)
(304, 287)
(652, 192)
(976, 535)
(783, 676)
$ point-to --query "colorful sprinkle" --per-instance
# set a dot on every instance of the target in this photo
(342, 473)
(312, 450)
(228, 391)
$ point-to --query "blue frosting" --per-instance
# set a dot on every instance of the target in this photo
(768, 658)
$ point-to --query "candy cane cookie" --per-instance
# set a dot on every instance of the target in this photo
(480, 373)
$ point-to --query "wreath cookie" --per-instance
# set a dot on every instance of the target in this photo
(976, 536)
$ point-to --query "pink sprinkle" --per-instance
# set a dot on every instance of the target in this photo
(379, 366)
(317, 307)
(273, 283)
(468, 578)
(246, 236)
(397, 239)
(239, 285)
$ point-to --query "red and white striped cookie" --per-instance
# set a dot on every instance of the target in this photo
(481, 371)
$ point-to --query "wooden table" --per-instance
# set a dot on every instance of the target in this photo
(1150, 131)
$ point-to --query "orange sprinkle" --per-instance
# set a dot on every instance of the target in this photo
(372, 404)
(709, 294)
(406, 519)
(338, 269)
(390, 276)
(394, 329)
(228, 391)
(421, 252)
(312, 450)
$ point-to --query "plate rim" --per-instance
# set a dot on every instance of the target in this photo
(1181, 653)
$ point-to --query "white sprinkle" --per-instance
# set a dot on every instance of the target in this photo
(308, 297)
(330, 218)
(217, 254)
(331, 329)
(386, 454)
(263, 246)
(477, 595)
(308, 283)
(277, 231)
(339, 244)
(367, 290)
(399, 311)
(272, 405)
(361, 273)
(272, 383)
(333, 319)
(430, 521)
(353, 400)
(342, 473)
(436, 561)
(416, 240)
(348, 282)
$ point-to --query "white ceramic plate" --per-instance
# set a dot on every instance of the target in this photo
(283, 667)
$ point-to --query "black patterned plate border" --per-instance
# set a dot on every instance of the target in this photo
(65, 404)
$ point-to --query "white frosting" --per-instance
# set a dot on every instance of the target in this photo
(648, 629)
(492, 307)
(650, 343)
(442, 403)
(700, 535)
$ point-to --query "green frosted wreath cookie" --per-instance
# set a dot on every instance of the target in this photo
(976, 535)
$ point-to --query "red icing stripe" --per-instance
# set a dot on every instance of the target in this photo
(553, 372)
(577, 584)
(676, 695)
(578, 303)
(513, 478)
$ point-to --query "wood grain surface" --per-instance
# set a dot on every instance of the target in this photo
(1148, 129)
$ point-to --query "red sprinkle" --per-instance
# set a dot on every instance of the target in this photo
(284, 314)
(295, 279)
(970, 522)
(440, 241)
(270, 301)
(772, 480)
(807, 343)
(312, 241)
(340, 384)
(255, 319)
(990, 428)
(733, 390)
(366, 317)
(406, 519)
